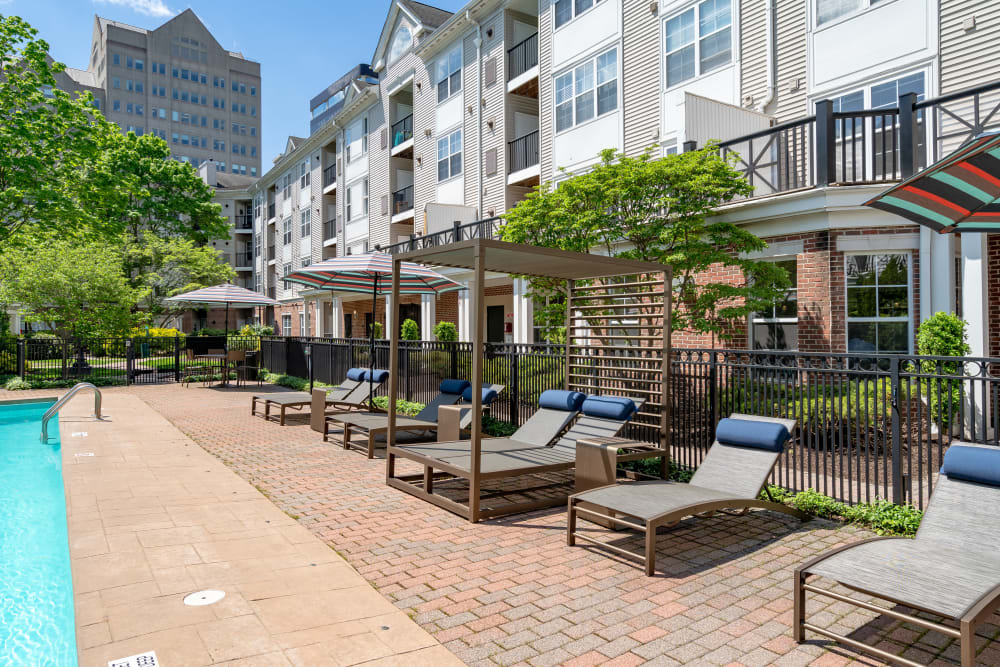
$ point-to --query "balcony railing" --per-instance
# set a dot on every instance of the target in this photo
(270, 253)
(402, 131)
(402, 200)
(862, 147)
(487, 228)
(243, 221)
(523, 152)
(522, 57)
(244, 258)
(330, 175)
(270, 210)
(329, 230)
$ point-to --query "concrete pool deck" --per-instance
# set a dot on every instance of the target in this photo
(154, 517)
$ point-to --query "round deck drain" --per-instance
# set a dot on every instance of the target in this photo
(203, 598)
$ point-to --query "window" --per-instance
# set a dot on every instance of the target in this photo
(450, 156)
(286, 229)
(587, 91)
(305, 261)
(286, 325)
(128, 62)
(304, 176)
(116, 105)
(878, 303)
(777, 328)
(138, 64)
(355, 132)
(688, 56)
(828, 10)
(566, 10)
(401, 41)
(305, 218)
(347, 205)
(116, 59)
(116, 82)
(449, 74)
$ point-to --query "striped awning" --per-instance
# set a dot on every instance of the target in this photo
(220, 295)
(960, 193)
(370, 273)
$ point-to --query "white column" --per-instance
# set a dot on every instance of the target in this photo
(428, 316)
(388, 315)
(524, 312)
(464, 313)
(307, 307)
(937, 273)
(337, 317)
(975, 311)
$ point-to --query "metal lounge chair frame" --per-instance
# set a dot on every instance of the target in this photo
(351, 394)
(954, 556)
(729, 481)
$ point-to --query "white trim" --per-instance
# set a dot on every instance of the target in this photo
(522, 79)
(876, 243)
(777, 249)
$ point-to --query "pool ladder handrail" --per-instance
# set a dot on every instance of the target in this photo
(65, 399)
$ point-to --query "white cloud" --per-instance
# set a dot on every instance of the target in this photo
(148, 7)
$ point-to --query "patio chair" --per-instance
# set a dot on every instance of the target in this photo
(246, 368)
(728, 481)
(951, 569)
(424, 422)
(352, 394)
(193, 368)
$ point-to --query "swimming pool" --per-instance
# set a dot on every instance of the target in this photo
(36, 588)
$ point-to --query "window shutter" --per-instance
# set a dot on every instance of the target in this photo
(491, 71)
(491, 162)
(385, 138)
(385, 204)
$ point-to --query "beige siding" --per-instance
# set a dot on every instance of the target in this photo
(424, 144)
(640, 75)
(969, 58)
(495, 137)
(470, 107)
(788, 103)
(545, 120)
(753, 52)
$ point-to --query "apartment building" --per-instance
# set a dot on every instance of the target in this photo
(179, 83)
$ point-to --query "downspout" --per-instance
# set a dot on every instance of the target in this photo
(771, 37)
(479, 108)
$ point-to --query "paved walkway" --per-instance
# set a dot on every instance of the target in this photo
(153, 518)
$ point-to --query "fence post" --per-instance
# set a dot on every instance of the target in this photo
(713, 390)
(404, 362)
(898, 492)
(21, 345)
(177, 358)
(454, 359)
(515, 399)
(129, 361)
(826, 144)
(907, 135)
(65, 353)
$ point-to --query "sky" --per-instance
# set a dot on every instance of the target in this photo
(302, 46)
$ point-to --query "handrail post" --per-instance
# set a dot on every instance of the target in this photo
(907, 135)
(898, 492)
(826, 144)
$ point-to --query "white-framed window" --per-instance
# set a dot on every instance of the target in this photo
(564, 11)
(305, 261)
(305, 224)
(285, 270)
(286, 325)
(364, 197)
(828, 10)
(450, 155)
(286, 231)
(401, 41)
(356, 133)
(347, 204)
(698, 40)
(878, 302)
(777, 328)
(587, 91)
(449, 74)
(304, 173)
(302, 323)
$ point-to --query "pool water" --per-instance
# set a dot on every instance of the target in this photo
(36, 588)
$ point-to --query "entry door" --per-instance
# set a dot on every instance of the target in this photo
(494, 324)
(348, 325)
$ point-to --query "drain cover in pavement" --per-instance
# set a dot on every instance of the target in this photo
(203, 598)
(147, 659)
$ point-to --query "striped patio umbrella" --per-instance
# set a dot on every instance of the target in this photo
(959, 193)
(223, 295)
(371, 273)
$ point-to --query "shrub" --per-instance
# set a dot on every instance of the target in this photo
(942, 335)
(881, 516)
(257, 330)
(408, 408)
(209, 331)
(496, 428)
(409, 330)
(378, 330)
(17, 384)
(161, 339)
(446, 332)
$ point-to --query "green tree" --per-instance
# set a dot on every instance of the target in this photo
(48, 140)
(77, 289)
(653, 209)
(446, 332)
(164, 267)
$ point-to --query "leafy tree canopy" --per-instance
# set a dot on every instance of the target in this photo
(653, 209)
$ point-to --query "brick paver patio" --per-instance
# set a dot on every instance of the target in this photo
(511, 592)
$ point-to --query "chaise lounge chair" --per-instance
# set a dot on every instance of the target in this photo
(951, 569)
(731, 477)
(353, 392)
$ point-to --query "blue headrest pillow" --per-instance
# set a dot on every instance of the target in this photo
(618, 408)
(454, 386)
(972, 464)
(489, 395)
(560, 399)
(769, 436)
(356, 374)
(377, 376)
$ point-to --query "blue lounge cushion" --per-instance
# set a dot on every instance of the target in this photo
(769, 436)
(489, 395)
(378, 376)
(618, 408)
(454, 386)
(560, 399)
(356, 374)
(972, 464)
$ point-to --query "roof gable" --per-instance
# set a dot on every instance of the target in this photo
(416, 16)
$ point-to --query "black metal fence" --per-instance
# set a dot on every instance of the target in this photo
(523, 152)
(522, 56)
(869, 427)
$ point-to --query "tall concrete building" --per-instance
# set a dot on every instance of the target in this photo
(179, 83)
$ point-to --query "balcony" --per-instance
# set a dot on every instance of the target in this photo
(243, 223)
(270, 253)
(522, 160)
(272, 293)
(488, 228)
(243, 260)
(402, 136)
(402, 204)
(330, 178)
(270, 211)
(330, 232)
(522, 68)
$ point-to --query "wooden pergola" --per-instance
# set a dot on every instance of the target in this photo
(623, 304)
